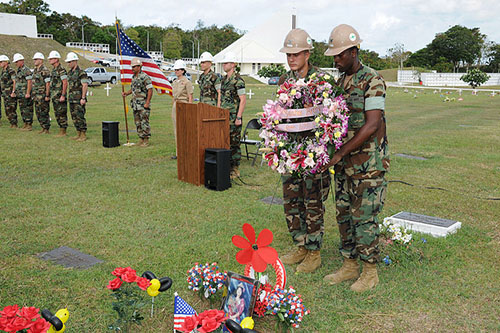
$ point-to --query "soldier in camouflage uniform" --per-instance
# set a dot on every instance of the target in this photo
(78, 83)
(23, 91)
(142, 91)
(234, 99)
(303, 197)
(8, 85)
(360, 164)
(41, 92)
(58, 88)
(210, 83)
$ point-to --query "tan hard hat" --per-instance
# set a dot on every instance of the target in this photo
(297, 40)
(342, 38)
(135, 62)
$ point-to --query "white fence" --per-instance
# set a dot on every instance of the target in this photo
(442, 79)
(94, 47)
(45, 36)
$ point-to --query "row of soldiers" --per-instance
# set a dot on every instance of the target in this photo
(38, 87)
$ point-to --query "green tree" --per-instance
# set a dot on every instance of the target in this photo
(493, 56)
(421, 58)
(475, 78)
(132, 33)
(318, 57)
(172, 44)
(398, 54)
(26, 7)
(272, 70)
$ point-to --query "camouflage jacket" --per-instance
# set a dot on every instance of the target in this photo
(57, 76)
(76, 79)
(7, 81)
(23, 75)
(140, 85)
(41, 76)
(231, 88)
(209, 84)
(365, 91)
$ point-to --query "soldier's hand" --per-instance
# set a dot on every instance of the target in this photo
(62, 99)
(124, 94)
(83, 101)
(335, 159)
(27, 96)
(146, 105)
(13, 95)
(47, 99)
(237, 122)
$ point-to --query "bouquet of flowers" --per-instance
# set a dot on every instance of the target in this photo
(206, 279)
(129, 300)
(207, 321)
(25, 320)
(316, 99)
(288, 307)
(395, 233)
(397, 244)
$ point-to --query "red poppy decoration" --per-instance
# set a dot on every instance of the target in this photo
(259, 253)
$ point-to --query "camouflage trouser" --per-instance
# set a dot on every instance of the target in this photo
(141, 119)
(304, 208)
(234, 139)
(78, 115)
(10, 105)
(358, 203)
(42, 108)
(26, 108)
(61, 112)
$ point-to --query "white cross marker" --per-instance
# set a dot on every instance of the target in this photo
(108, 88)
(250, 94)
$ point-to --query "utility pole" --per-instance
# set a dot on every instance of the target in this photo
(147, 31)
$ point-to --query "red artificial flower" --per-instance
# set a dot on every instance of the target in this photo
(114, 284)
(20, 323)
(30, 313)
(259, 253)
(208, 325)
(119, 271)
(218, 315)
(189, 324)
(143, 283)
(39, 326)
(10, 311)
(129, 276)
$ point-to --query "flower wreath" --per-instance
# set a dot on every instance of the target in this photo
(299, 101)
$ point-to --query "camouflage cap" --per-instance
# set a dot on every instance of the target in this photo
(297, 40)
(341, 38)
(135, 62)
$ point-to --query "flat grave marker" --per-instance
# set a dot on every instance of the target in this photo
(70, 258)
(435, 226)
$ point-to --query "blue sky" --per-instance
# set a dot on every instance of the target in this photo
(380, 23)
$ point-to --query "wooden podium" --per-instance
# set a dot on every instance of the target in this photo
(199, 126)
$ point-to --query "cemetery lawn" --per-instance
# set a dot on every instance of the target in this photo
(125, 206)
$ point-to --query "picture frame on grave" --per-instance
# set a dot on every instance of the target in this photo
(241, 293)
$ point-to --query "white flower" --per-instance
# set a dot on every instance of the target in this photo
(309, 162)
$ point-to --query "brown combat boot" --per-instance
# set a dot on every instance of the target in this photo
(348, 271)
(78, 134)
(367, 280)
(140, 142)
(28, 128)
(83, 136)
(46, 131)
(145, 142)
(295, 256)
(13, 125)
(41, 131)
(22, 128)
(62, 132)
(311, 262)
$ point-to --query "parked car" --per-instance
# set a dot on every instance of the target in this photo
(110, 62)
(167, 68)
(99, 74)
(273, 80)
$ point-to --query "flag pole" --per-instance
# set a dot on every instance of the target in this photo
(123, 86)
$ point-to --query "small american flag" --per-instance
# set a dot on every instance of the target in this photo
(182, 310)
(130, 50)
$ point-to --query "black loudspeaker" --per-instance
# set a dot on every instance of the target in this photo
(110, 134)
(217, 167)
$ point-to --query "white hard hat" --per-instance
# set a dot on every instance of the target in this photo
(54, 55)
(17, 57)
(179, 64)
(228, 57)
(71, 56)
(135, 62)
(3, 57)
(38, 55)
(206, 56)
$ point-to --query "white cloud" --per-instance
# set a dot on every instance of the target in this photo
(383, 21)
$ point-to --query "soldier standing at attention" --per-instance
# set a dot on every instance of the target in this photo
(8, 85)
(41, 92)
(78, 83)
(234, 99)
(141, 89)
(209, 82)
(23, 91)
(182, 91)
(360, 164)
(58, 87)
(303, 197)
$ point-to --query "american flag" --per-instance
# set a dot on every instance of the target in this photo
(130, 50)
(182, 310)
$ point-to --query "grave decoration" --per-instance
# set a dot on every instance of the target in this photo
(206, 279)
(317, 110)
(25, 319)
(57, 321)
(396, 243)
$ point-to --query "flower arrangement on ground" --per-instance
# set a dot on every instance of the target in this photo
(315, 107)
(25, 320)
(288, 307)
(206, 279)
(129, 300)
(207, 321)
(396, 244)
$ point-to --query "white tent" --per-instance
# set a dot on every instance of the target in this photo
(260, 47)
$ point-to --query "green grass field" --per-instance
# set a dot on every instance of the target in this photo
(125, 206)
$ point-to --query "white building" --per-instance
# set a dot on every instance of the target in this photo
(18, 25)
(260, 47)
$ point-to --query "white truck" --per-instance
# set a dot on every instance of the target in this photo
(99, 74)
